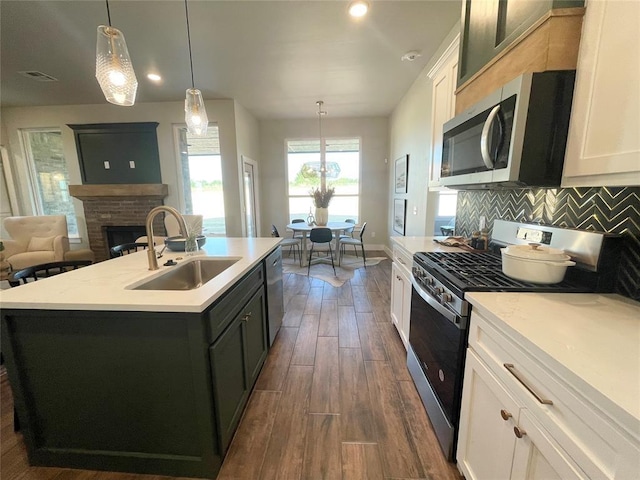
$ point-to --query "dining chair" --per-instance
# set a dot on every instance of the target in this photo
(321, 236)
(355, 242)
(45, 270)
(127, 248)
(296, 233)
(292, 243)
(348, 232)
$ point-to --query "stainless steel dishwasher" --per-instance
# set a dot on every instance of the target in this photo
(275, 296)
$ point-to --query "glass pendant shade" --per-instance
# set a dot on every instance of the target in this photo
(114, 69)
(195, 114)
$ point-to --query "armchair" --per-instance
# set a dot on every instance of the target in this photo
(39, 239)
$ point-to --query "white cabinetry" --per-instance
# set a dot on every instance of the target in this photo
(603, 146)
(522, 420)
(401, 292)
(444, 75)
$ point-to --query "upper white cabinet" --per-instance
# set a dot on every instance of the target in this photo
(603, 147)
(444, 75)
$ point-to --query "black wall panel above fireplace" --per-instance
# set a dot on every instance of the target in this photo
(118, 153)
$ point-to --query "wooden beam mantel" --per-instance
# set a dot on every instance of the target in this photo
(89, 192)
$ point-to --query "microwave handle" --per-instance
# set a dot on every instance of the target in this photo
(484, 139)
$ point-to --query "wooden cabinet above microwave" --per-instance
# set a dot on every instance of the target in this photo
(503, 39)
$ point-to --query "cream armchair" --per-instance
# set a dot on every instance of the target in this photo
(39, 239)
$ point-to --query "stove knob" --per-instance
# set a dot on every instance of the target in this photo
(430, 281)
(439, 290)
(447, 297)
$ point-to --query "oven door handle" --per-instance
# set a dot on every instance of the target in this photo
(452, 317)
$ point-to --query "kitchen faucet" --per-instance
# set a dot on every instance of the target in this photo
(151, 251)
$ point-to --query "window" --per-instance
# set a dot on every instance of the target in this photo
(201, 178)
(343, 173)
(49, 176)
(446, 217)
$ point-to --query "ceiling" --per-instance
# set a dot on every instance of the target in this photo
(276, 58)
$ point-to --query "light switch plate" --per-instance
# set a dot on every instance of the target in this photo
(106, 165)
(132, 164)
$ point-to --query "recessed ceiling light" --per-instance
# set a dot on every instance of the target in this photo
(358, 8)
(154, 77)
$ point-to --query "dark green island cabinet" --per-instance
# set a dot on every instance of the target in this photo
(137, 392)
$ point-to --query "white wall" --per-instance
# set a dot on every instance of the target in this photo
(410, 133)
(167, 114)
(373, 132)
(248, 145)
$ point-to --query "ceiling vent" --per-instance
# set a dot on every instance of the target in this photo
(410, 56)
(38, 76)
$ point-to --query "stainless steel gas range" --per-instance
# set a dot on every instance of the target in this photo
(440, 314)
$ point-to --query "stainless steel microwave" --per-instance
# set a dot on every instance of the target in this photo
(515, 137)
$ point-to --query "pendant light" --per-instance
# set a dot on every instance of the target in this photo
(323, 156)
(114, 70)
(195, 114)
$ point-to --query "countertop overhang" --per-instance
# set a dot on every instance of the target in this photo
(103, 286)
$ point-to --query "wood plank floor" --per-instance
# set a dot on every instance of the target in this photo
(334, 399)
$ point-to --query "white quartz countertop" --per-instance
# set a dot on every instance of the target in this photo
(422, 244)
(592, 340)
(103, 286)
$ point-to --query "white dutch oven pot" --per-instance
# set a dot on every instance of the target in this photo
(534, 263)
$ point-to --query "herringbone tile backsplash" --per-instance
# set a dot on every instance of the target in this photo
(606, 209)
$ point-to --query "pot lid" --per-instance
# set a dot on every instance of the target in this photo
(535, 251)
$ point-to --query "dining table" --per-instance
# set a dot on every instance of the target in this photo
(305, 229)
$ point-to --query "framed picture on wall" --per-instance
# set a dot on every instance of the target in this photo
(401, 173)
(399, 215)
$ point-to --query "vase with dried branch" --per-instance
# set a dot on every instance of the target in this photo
(321, 198)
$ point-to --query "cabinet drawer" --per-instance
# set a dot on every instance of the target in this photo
(580, 428)
(402, 259)
(223, 312)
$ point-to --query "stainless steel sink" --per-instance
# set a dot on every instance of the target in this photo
(189, 275)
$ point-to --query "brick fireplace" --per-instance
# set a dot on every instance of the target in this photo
(117, 205)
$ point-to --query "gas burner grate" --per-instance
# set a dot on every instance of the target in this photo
(480, 271)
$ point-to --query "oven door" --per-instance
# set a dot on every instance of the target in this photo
(435, 358)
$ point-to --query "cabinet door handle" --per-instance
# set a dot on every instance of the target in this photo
(247, 317)
(519, 432)
(512, 370)
(398, 277)
(505, 415)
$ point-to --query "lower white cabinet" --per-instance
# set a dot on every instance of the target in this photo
(486, 440)
(521, 418)
(400, 301)
(538, 457)
(401, 292)
(499, 439)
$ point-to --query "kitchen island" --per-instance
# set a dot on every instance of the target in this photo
(109, 377)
